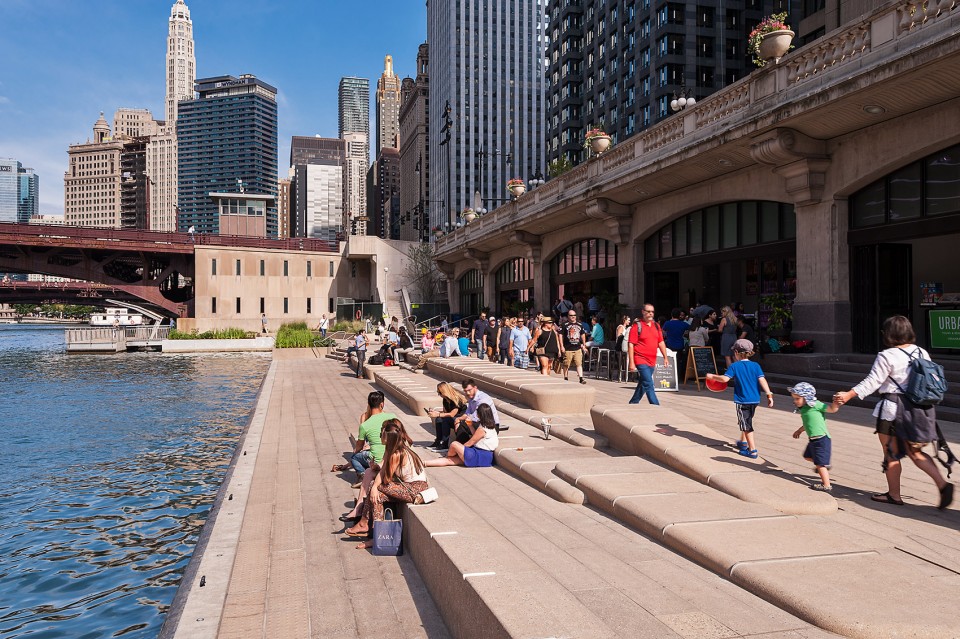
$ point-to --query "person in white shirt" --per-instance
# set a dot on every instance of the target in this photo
(479, 449)
(889, 376)
(323, 325)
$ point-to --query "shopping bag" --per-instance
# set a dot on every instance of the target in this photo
(387, 535)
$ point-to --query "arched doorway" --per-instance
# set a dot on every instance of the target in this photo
(514, 286)
(738, 251)
(583, 269)
(903, 229)
(471, 292)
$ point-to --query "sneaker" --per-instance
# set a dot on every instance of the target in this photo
(822, 488)
(741, 445)
(748, 452)
(946, 496)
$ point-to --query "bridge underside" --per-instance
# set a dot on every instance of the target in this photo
(162, 280)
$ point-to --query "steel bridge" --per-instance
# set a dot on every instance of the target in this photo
(154, 267)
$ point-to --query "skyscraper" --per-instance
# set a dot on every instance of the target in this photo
(388, 107)
(415, 200)
(162, 150)
(354, 128)
(28, 205)
(486, 62)
(9, 190)
(317, 198)
(227, 144)
(619, 64)
(92, 181)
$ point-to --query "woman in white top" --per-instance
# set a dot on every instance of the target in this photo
(401, 478)
(890, 369)
(478, 451)
(699, 334)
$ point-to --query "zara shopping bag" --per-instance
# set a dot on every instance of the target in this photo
(387, 535)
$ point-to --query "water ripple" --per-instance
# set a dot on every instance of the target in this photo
(108, 468)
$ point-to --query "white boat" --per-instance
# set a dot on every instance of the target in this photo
(113, 316)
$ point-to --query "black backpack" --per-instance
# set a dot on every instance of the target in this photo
(926, 384)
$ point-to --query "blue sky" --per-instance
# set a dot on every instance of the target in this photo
(64, 61)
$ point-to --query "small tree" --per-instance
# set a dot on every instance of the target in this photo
(422, 273)
(559, 166)
(23, 310)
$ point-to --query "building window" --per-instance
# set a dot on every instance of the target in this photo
(331, 269)
(330, 303)
(263, 268)
(238, 267)
(213, 305)
(286, 268)
(213, 266)
(263, 305)
(309, 269)
(286, 305)
(309, 306)
(238, 306)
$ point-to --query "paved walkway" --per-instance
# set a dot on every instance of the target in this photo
(287, 572)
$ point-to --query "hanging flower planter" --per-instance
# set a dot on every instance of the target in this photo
(437, 231)
(516, 186)
(770, 40)
(596, 140)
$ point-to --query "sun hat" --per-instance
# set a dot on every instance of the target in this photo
(743, 346)
(806, 391)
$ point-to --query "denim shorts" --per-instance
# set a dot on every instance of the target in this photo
(819, 450)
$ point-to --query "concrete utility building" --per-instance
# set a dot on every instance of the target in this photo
(832, 178)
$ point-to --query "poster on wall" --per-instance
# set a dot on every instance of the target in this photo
(771, 277)
(944, 329)
(753, 277)
(930, 293)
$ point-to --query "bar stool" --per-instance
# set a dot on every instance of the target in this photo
(603, 363)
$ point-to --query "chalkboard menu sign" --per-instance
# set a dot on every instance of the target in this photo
(665, 374)
(700, 361)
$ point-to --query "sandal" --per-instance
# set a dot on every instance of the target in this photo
(885, 498)
(352, 532)
(339, 468)
(583, 381)
(749, 452)
(822, 488)
(418, 499)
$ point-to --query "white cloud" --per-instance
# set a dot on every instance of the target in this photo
(4, 99)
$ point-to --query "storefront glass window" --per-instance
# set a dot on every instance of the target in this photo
(729, 225)
(712, 217)
(748, 223)
(696, 232)
(680, 237)
(651, 247)
(943, 182)
(666, 242)
(906, 193)
(789, 225)
(769, 221)
(868, 205)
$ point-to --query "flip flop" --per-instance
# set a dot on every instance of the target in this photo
(885, 498)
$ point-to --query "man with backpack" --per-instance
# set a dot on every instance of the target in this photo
(643, 341)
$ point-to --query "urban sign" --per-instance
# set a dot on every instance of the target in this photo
(944, 329)
(8, 169)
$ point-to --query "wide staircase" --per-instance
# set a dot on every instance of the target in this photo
(851, 368)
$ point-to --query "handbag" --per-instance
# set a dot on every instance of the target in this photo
(387, 536)
(540, 350)
(429, 495)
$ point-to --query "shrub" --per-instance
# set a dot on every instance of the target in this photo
(349, 327)
(297, 335)
(225, 333)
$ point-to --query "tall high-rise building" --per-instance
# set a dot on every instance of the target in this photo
(356, 160)
(28, 204)
(415, 200)
(388, 107)
(284, 206)
(317, 198)
(353, 99)
(227, 144)
(383, 195)
(619, 64)
(486, 63)
(9, 190)
(92, 181)
(134, 123)
(162, 162)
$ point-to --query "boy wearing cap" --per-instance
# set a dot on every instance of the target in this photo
(748, 381)
(814, 423)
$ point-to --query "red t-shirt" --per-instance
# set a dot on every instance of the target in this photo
(646, 344)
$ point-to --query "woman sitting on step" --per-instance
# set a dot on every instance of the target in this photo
(454, 404)
(478, 451)
(401, 478)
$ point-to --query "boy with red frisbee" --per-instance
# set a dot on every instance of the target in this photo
(748, 381)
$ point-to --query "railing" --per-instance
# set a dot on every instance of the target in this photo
(151, 333)
(184, 240)
(90, 336)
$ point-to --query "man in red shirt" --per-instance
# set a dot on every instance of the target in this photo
(643, 341)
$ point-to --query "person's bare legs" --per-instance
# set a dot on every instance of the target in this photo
(893, 467)
(544, 366)
(368, 477)
(924, 463)
(454, 457)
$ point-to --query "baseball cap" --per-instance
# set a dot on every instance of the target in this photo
(743, 346)
(806, 391)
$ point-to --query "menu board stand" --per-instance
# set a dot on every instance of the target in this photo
(700, 361)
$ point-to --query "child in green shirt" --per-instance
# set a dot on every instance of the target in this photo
(814, 423)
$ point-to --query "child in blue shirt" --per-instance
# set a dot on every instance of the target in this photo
(748, 381)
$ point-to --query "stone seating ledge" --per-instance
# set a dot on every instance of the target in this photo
(550, 395)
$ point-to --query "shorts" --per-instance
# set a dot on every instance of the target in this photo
(885, 427)
(745, 416)
(573, 357)
(818, 450)
(477, 457)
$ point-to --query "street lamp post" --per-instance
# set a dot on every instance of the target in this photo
(682, 99)
(386, 286)
(536, 180)
(445, 142)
